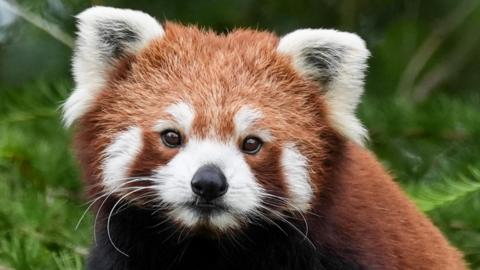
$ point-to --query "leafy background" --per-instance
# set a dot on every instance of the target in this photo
(421, 107)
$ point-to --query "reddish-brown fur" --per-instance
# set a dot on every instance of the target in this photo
(365, 210)
(358, 208)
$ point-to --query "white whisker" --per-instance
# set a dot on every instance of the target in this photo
(110, 216)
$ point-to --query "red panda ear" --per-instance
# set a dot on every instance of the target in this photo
(104, 36)
(337, 61)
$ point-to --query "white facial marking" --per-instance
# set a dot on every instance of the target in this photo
(244, 121)
(224, 221)
(174, 180)
(185, 216)
(101, 34)
(183, 116)
(295, 168)
(119, 156)
(342, 57)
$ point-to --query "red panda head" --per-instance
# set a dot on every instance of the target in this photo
(212, 130)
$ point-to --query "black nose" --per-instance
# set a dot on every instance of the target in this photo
(209, 182)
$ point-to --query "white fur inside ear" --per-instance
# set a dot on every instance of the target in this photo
(104, 35)
(337, 60)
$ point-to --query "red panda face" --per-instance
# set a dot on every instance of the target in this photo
(214, 131)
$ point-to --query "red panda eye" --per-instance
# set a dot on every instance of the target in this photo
(251, 145)
(171, 138)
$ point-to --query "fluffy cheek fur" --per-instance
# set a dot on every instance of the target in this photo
(276, 180)
(119, 156)
(295, 168)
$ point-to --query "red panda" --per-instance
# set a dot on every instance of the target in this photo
(234, 151)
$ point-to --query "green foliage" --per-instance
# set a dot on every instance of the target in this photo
(38, 182)
(433, 150)
(430, 143)
(432, 197)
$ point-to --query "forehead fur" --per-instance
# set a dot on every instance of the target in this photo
(217, 74)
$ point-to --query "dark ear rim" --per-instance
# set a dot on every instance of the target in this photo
(325, 59)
